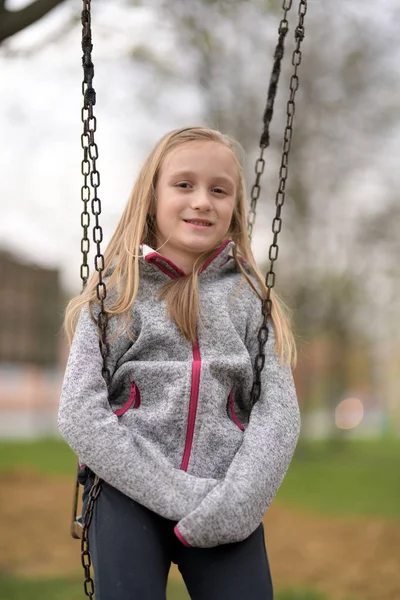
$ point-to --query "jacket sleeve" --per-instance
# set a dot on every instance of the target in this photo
(116, 454)
(236, 506)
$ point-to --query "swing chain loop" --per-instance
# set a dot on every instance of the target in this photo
(260, 166)
(279, 201)
(283, 29)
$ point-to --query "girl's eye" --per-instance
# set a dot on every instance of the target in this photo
(185, 185)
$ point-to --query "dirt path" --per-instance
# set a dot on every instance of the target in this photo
(353, 557)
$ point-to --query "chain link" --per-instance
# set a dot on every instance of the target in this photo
(280, 196)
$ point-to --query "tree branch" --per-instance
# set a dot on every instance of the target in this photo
(11, 22)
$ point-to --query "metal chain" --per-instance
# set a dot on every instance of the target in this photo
(91, 154)
(89, 170)
(85, 197)
(279, 201)
(86, 558)
(268, 114)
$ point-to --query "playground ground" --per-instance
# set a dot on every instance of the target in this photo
(333, 533)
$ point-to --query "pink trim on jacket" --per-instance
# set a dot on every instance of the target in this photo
(215, 255)
(233, 414)
(194, 398)
(180, 537)
(157, 259)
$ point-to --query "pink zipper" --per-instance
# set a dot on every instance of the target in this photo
(194, 398)
(133, 401)
(155, 258)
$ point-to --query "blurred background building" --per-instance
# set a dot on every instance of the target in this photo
(30, 347)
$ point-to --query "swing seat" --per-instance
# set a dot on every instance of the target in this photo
(77, 527)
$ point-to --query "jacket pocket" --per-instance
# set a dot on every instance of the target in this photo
(132, 402)
(230, 409)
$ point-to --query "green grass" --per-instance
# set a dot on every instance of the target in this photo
(12, 588)
(347, 478)
(48, 456)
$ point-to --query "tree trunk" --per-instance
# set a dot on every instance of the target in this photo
(12, 22)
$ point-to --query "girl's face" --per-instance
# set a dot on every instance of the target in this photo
(195, 197)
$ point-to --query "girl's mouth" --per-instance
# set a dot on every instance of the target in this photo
(199, 224)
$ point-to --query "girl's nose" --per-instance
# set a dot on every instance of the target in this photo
(201, 200)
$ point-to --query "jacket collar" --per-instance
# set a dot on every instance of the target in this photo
(220, 257)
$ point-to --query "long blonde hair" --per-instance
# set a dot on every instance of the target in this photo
(136, 226)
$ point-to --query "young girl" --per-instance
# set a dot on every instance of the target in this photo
(188, 468)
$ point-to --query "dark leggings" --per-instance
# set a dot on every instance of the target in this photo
(132, 549)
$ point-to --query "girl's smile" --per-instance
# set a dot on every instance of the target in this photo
(199, 224)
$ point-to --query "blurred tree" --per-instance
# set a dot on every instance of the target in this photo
(13, 21)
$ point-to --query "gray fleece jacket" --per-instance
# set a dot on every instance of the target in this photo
(174, 430)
